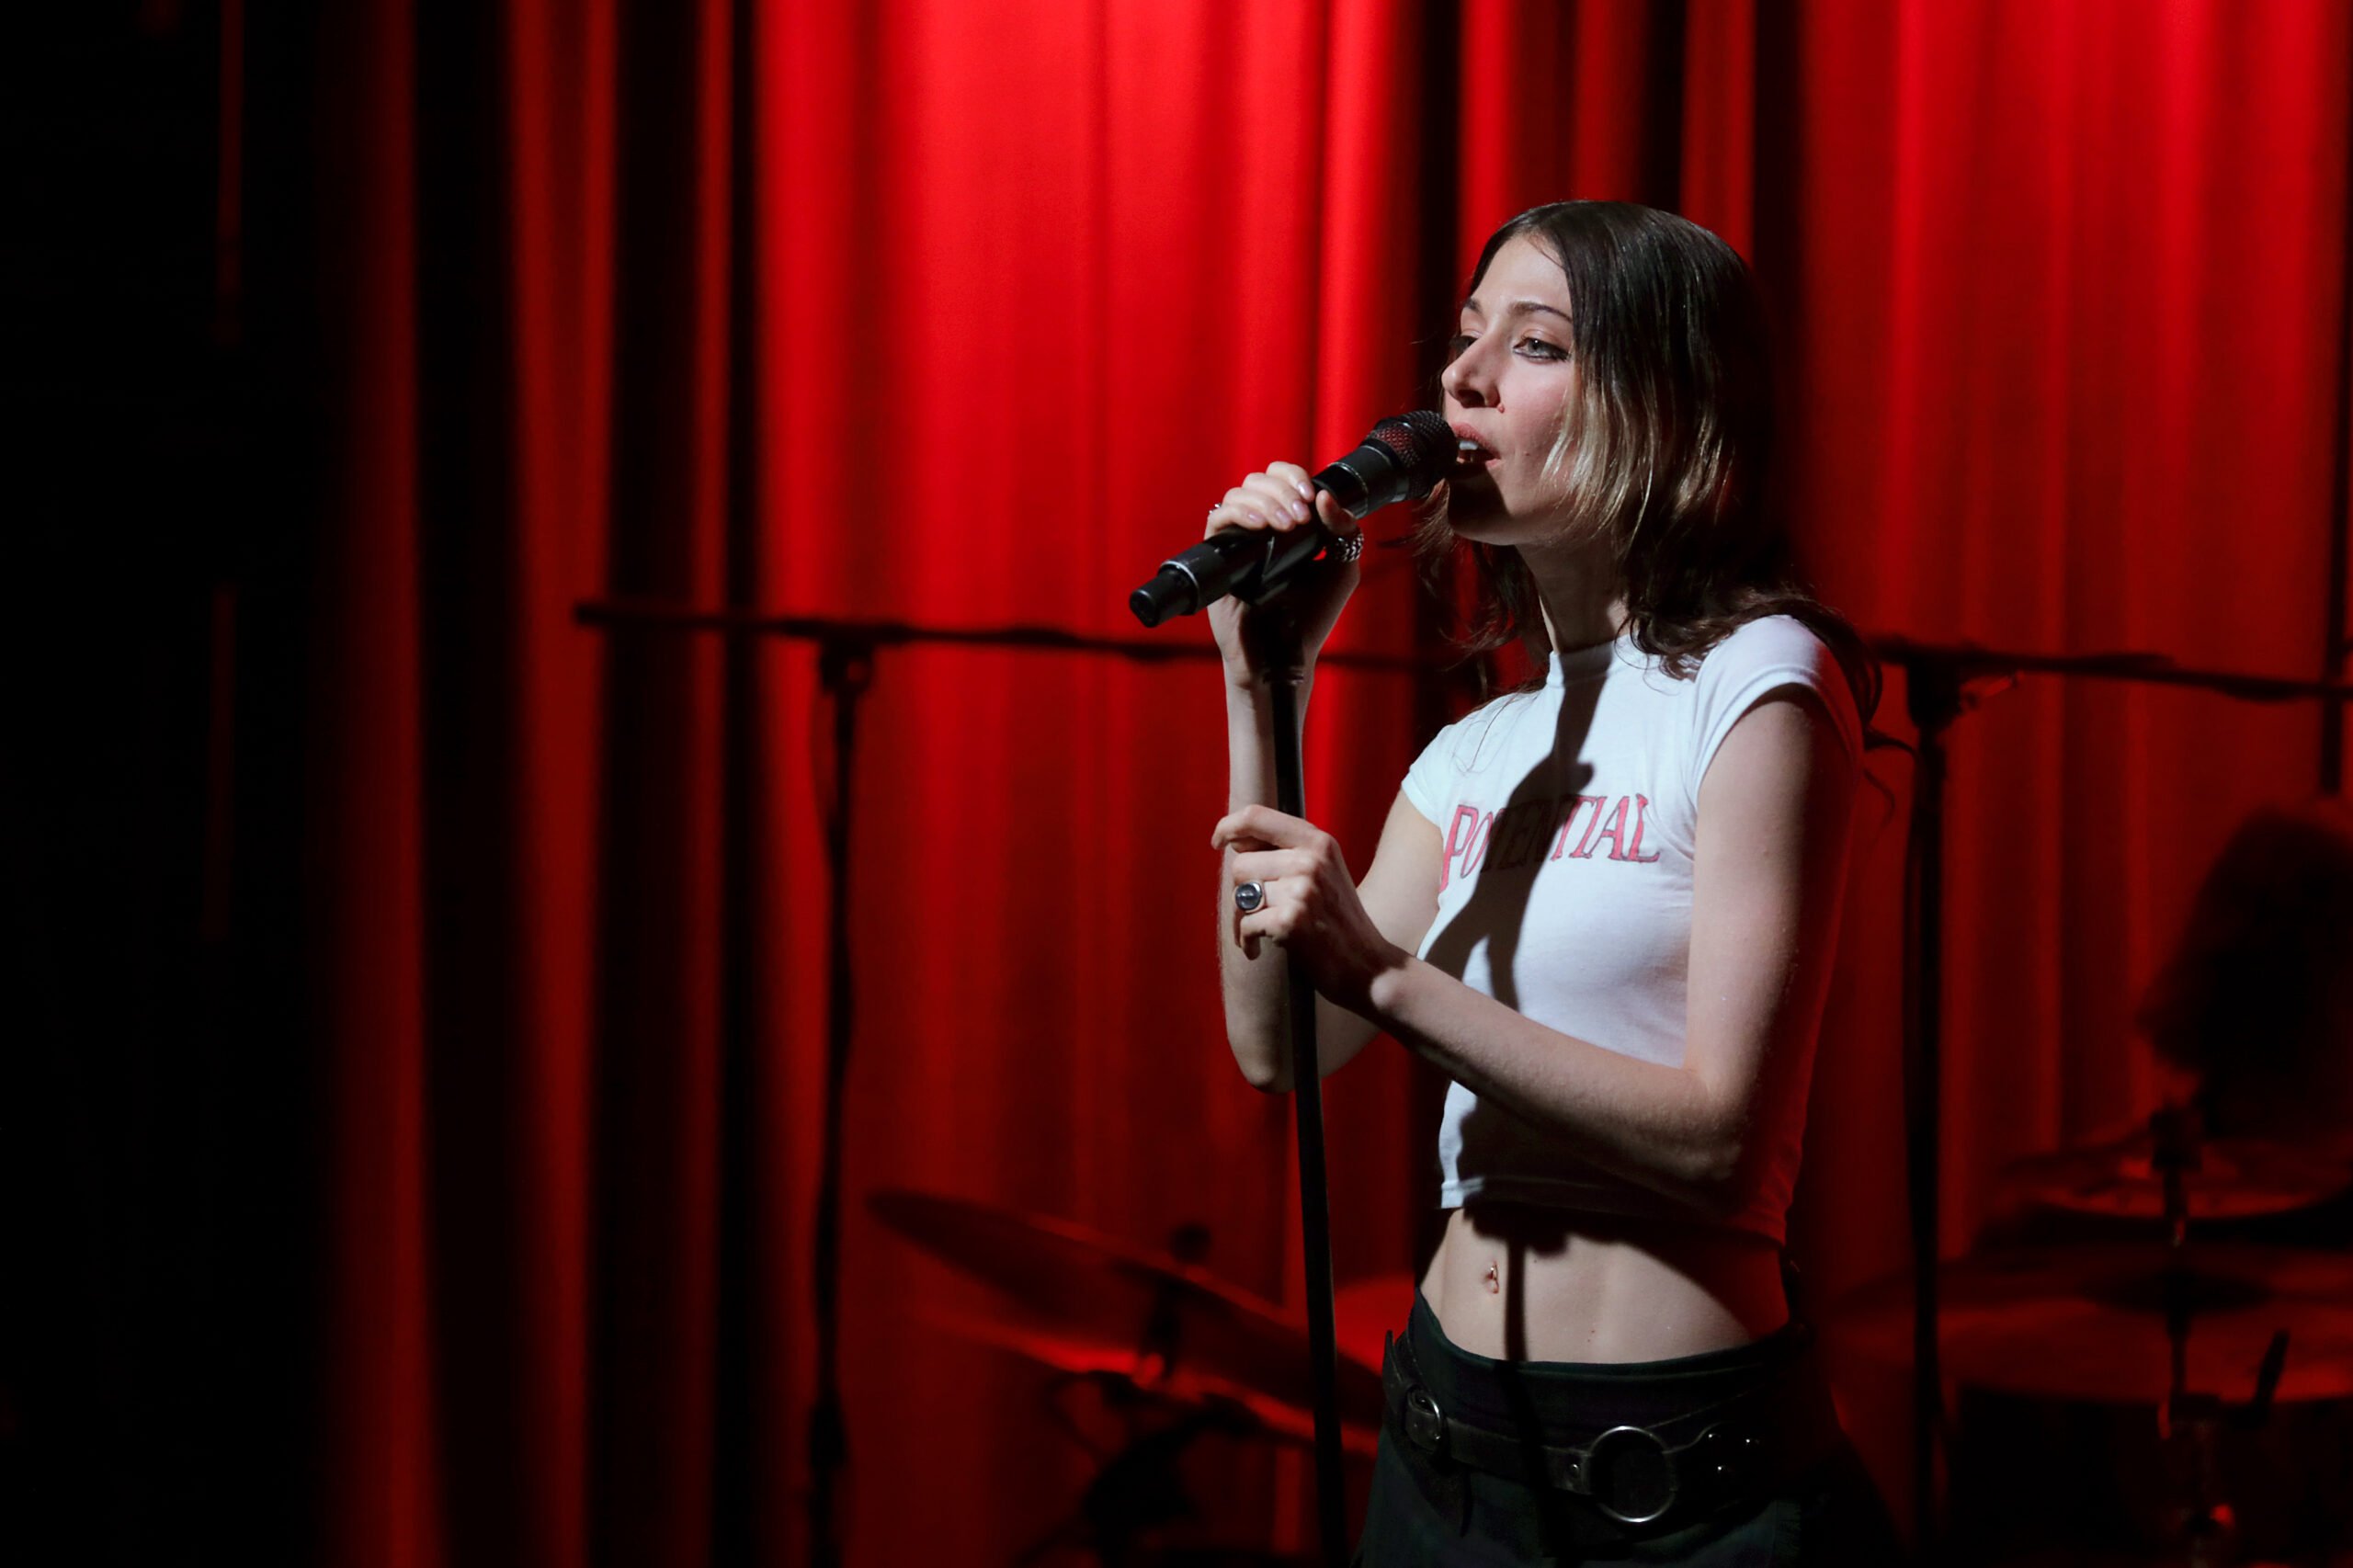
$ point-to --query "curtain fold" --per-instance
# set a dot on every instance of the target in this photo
(380, 1503)
(959, 314)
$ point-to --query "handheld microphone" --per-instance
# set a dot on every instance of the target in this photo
(1400, 460)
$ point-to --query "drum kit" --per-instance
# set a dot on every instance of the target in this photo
(1172, 1351)
(2137, 1382)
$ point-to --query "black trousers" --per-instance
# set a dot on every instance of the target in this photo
(1425, 1512)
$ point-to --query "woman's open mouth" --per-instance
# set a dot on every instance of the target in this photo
(1471, 456)
(1470, 453)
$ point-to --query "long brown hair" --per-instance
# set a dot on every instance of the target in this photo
(1668, 445)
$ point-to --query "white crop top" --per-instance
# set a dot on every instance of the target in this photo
(1566, 817)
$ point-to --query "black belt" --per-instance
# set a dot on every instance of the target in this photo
(1744, 1449)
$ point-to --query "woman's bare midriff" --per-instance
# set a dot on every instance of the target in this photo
(1526, 1284)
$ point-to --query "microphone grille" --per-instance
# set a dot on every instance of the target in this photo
(1423, 445)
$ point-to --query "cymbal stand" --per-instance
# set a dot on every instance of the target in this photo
(2189, 1430)
(2173, 1150)
(2191, 1423)
(1161, 1341)
(2188, 1422)
(1137, 1487)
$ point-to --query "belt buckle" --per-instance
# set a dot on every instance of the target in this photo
(1631, 1475)
(1424, 1423)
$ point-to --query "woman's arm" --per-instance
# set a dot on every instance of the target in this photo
(1774, 811)
(1399, 896)
(1400, 890)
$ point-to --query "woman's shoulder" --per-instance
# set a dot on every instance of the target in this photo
(1772, 654)
(1769, 639)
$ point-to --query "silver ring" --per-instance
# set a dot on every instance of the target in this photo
(1250, 897)
(1348, 549)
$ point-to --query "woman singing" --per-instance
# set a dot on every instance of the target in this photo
(1605, 907)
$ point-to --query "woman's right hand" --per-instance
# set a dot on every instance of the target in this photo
(1281, 499)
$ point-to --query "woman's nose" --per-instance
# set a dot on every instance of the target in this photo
(1464, 380)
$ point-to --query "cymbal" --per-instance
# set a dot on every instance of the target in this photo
(1176, 1390)
(1105, 1292)
(2089, 1321)
(2235, 1179)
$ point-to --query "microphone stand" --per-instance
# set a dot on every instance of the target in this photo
(845, 651)
(845, 669)
(1279, 656)
(1933, 698)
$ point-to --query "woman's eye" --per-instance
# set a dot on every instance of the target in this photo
(1538, 348)
(1457, 344)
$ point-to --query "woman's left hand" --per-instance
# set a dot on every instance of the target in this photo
(1311, 907)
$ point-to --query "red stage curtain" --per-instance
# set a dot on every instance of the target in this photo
(959, 314)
